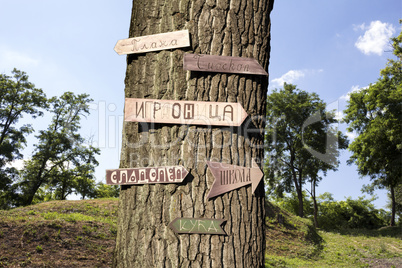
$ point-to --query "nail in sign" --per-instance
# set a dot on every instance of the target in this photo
(197, 226)
(149, 175)
(154, 42)
(230, 177)
(222, 64)
(184, 112)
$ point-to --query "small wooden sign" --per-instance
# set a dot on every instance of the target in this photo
(184, 112)
(222, 64)
(230, 177)
(148, 175)
(197, 226)
(154, 42)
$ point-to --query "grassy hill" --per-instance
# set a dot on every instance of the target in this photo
(294, 242)
(59, 234)
(82, 234)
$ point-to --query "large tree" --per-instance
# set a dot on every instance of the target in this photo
(18, 98)
(300, 140)
(228, 28)
(60, 154)
(375, 114)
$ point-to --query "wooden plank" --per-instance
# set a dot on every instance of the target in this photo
(148, 175)
(230, 177)
(222, 64)
(197, 226)
(184, 112)
(154, 42)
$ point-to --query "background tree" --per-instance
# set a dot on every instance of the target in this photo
(236, 28)
(84, 183)
(18, 97)
(300, 141)
(74, 178)
(375, 114)
(60, 152)
(106, 191)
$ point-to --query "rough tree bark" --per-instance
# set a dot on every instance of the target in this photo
(228, 28)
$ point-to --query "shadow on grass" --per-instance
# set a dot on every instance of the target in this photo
(293, 230)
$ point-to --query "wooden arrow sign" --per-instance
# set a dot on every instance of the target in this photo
(230, 177)
(222, 64)
(184, 112)
(149, 175)
(154, 42)
(197, 226)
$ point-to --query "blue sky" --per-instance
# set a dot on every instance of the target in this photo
(327, 47)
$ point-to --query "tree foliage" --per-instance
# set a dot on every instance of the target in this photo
(106, 191)
(18, 98)
(60, 156)
(300, 141)
(62, 162)
(375, 114)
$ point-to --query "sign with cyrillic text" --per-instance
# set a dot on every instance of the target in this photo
(230, 177)
(184, 112)
(154, 42)
(197, 226)
(222, 64)
(148, 175)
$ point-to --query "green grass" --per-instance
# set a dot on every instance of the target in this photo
(294, 242)
(79, 233)
(350, 248)
(82, 234)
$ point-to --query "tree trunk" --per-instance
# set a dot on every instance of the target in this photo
(314, 202)
(300, 197)
(227, 28)
(393, 206)
(298, 185)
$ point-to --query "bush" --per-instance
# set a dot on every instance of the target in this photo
(332, 214)
(359, 213)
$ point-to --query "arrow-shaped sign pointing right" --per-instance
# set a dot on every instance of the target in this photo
(230, 177)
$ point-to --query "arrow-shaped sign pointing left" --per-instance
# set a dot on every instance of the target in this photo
(230, 177)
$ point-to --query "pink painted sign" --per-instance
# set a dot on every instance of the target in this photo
(184, 112)
(222, 64)
(148, 175)
(230, 177)
(153, 42)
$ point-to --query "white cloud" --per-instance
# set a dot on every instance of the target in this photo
(346, 97)
(339, 115)
(18, 164)
(360, 27)
(293, 75)
(376, 38)
(351, 135)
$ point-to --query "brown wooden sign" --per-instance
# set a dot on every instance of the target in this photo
(197, 226)
(222, 64)
(230, 177)
(148, 175)
(184, 112)
(154, 42)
